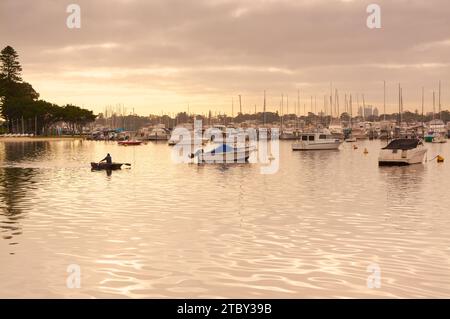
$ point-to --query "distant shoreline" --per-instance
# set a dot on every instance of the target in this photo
(40, 139)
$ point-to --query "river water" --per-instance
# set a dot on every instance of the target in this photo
(318, 227)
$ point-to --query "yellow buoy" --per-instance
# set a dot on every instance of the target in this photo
(366, 151)
(440, 159)
(355, 147)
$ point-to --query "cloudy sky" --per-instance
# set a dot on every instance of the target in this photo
(163, 55)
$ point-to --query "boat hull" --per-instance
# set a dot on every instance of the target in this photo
(157, 138)
(401, 157)
(217, 156)
(129, 143)
(106, 166)
(301, 146)
(223, 158)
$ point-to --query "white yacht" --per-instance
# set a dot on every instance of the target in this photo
(402, 151)
(316, 141)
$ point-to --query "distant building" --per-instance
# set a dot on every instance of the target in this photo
(376, 112)
(367, 111)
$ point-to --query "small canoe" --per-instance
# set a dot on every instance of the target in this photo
(128, 143)
(106, 166)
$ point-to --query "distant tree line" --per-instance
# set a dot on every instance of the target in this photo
(22, 109)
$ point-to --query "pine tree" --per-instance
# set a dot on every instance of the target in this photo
(10, 69)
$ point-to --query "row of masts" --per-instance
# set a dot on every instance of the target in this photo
(330, 108)
(334, 105)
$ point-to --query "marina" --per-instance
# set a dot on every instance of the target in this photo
(222, 155)
(311, 229)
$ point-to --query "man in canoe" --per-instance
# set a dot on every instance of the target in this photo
(107, 159)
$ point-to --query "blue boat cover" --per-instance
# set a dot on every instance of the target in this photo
(402, 144)
(224, 148)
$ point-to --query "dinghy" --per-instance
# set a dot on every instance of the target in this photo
(129, 143)
(106, 166)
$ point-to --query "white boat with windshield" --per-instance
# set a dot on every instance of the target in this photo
(323, 140)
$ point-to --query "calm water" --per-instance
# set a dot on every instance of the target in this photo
(162, 229)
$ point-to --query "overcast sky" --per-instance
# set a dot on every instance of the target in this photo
(163, 55)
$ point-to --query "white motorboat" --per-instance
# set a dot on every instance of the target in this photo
(288, 134)
(222, 153)
(402, 151)
(316, 141)
(158, 134)
(439, 138)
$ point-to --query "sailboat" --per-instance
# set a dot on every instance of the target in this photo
(350, 138)
(438, 126)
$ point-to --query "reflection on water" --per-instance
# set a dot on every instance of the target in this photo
(162, 229)
(13, 184)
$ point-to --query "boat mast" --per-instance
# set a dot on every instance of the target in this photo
(346, 104)
(281, 122)
(315, 104)
(423, 102)
(434, 104)
(264, 107)
(331, 100)
(384, 100)
(315, 110)
(399, 106)
(351, 111)
(232, 107)
(298, 106)
(240, 104)
(364, 109)
(357, 102)
(287, 104)
(336, 101)
(439, 103)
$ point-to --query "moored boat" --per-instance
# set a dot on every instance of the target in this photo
(222, 153)
(106, 166)
(402, 151)
(130, 143)
(316, 141)
(158, 134)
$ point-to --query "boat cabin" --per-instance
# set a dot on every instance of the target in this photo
(315, 137)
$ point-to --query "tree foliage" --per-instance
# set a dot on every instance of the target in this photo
(20, 102)
(10, 67)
